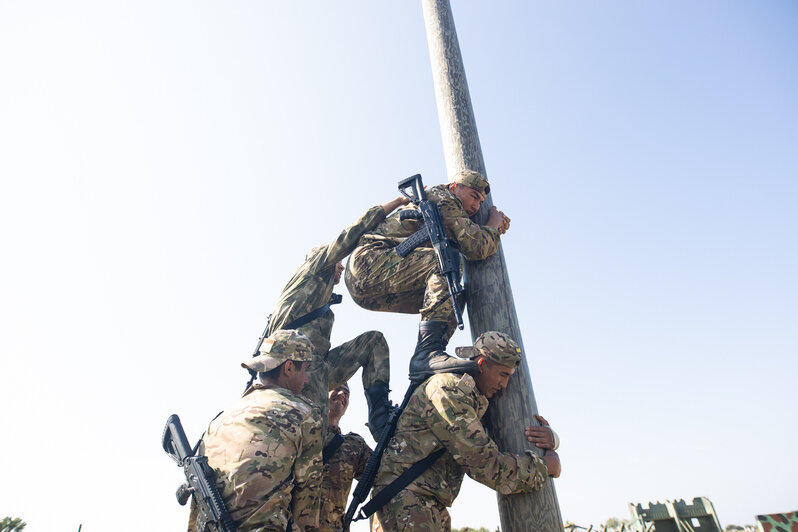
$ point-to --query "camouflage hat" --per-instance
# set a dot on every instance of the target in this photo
(473, 180)
(496, 346)
(281, 346)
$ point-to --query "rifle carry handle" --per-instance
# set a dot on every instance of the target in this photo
(413, 182)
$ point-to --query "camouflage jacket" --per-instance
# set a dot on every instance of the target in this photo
(346, 463)
(475, 242)
(446, 411)
(266, 452)
(312, 284)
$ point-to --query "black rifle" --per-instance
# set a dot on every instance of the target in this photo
(212, 516)
(434, 232)
(370, 471)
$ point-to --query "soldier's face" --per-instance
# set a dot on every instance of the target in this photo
(297, 377)
(492, 377)
(339, 401)
(471, 199)
(339, 269)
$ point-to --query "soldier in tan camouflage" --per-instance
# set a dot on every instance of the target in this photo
(266, 450)
(379, 279)
(445, 412)
(346, 463)
(310, 289)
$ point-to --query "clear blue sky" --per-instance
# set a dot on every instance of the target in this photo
(166, 165)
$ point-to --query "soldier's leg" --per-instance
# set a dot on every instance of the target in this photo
(437, 326)
(369, 351)
(379, 279)
(408, 512)
(437, 304)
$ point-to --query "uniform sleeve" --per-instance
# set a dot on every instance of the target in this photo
(362, 457)
(346, 242)
(306, 497)
(476, 242)
(455, 423)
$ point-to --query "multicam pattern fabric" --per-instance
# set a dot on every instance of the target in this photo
(280, 347)
(266, 452)
(378, 279)
(410, 512)
(346, 463)
(496, 346)
(309, 289)
(471, 179)
(368, 351)
(446, 411)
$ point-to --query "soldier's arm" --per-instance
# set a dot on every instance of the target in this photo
(476, 242)
(392, 205)
(455, 423)
(337, 250)
(306, 497)
(362, 458)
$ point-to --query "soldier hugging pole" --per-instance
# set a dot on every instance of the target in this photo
(490, 300)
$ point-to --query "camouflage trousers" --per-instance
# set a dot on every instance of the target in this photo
(379, 279)
(328, 371)
(409, 512)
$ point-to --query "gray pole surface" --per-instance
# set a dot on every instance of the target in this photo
(490, 299)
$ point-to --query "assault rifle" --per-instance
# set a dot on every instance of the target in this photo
(370, 471)
(212, 516)
(434, 232)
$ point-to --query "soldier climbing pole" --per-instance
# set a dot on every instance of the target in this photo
(490, 299)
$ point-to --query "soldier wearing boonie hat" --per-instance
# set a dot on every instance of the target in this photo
(495, 346)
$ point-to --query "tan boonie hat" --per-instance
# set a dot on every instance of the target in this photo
(279, 347)
(473, 180)
(496, 346)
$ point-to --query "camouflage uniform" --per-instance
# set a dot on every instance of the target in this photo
(266, 451)
(379, 279)
(310, 288)
(346, 463)
(446, 412)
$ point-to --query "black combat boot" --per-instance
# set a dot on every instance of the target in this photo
(379, 408)
(430, 357)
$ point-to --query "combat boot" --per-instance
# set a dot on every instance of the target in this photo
(430, 358)
(379, 407)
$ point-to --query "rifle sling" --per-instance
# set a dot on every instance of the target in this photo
(313, 314)
(331, 447)
(390, 491)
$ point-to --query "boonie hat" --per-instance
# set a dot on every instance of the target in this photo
(496, 346)
(281, 346)
(472, 179)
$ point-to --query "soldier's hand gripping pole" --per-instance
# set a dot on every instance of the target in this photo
(433, 230)
(369, 474)
(212, 516)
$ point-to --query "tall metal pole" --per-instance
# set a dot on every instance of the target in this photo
(490, 299)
